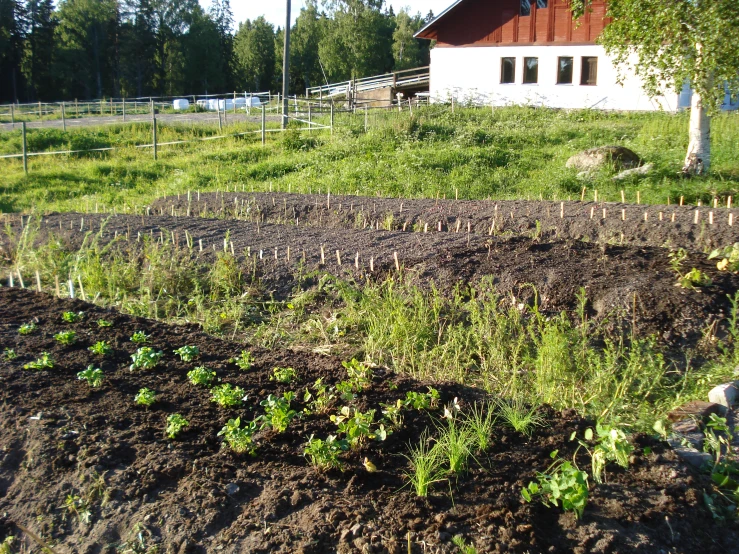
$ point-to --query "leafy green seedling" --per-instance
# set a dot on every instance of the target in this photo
(101, 348)
(346, 391)
(239, 439)
(324, 454)
(44, 362)
(244, 361)
(228, 396)
(519, 417)
(102, 323)
(693, 279)
(426, 468)
(9, 354)
(201, 376)
(319, 401)
(93, 376)
(357, 426)
(283, 375)
(175, 424)
(139, 337)
(611, 446)
(422, 400)
(392, 414)
(562, 484)
(27, 328)
(66, 338)
(188, 353)
(145, 358)
(360, 374)
(72, 317)
(277, 412)
(729, 258)
(6, 547)
(79, 507)
(145, 397)
(464, 548)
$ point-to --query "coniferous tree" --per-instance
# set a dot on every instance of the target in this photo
(12, 24)
(38, 51)
(255, 52)
(137, 48)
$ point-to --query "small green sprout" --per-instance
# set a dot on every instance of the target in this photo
(319, 401)
(283, 375)
(612, 445)
(324, 454)
(693, 279)
(360, 374)
(277, 412)
(104, 323)
(145, 358)
(561, 484)
(93, 376)
(9, 354)
(422, 400)
(101, 348)
(175, 424)
(44, 362)
(145, 397)
(239, 439)
(188, 353)
(27, 328)
(72, 317)
(357, 425)
(80, 507)
(244, 361)
(66, 338)
(201, 376)
(228, 396)
(139, 337)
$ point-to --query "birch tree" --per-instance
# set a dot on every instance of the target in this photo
(669, 43)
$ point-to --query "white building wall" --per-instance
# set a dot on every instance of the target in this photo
(473, 75)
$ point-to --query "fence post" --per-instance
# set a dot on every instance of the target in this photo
(264, 126)
(124, 110)
(234, 103)
(365, 119)
(64, 119)
(154, 132)
(76, 108)
(310, 118)
(25, 148)
(39, 110)
(220, 122)
(332, 117)
(12, 114)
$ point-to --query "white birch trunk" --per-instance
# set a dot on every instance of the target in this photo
(698, 158)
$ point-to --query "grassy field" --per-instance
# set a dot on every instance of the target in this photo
(475, 153)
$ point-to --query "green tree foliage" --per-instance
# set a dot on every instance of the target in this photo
(38, 54)
(137, 47)
(305, 37)
(12, 21)
(205, 69)
(254, 48)
(671, 43)
(408, 52)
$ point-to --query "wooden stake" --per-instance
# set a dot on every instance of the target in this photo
(426, 228)
(623, 215)
(562, 210)
(459, 223)
(397, 263)
(38, 281)
(200, 242)
(715, 202)
(731, 220)
(82, 290)
(646, 216)
(660, 216)
(728, 202)
(56, 286)
(323, 256)
(623, 197)
(592, 212)
(372, 264)
(338, 257)
(356, 260)
(604, 213)
(697, 217)
(288, 253)
(673, 217)
(20, 279)
(582, 196)
(595, 195)
(682, 199)
(638, 197)
(710, 218)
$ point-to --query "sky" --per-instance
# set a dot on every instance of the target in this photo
(274, 10)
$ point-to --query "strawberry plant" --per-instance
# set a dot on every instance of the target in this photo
(188, 353)
(244, 361)
(277, 411)
(9, 354)
(175, 424)
(283, 375)
(101, 348)
(562, 484)
(44, 362)
(139, 337)
(346, 391)
(392, 414)
(93, 376)
(27, 328)
(357, 425)
(145, 397)
(145, 358)
(104, 323)
(239, 439)
(72, 317)
(324, 454)
(611, 446)
(201, 376)
(319, 401)
(360, 375)
(66, 338)
(422, 400)
(228, 396)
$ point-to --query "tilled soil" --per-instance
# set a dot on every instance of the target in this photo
(627, 285)
(691, 227)
(60, 437)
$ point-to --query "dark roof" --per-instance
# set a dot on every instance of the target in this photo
(429, 31)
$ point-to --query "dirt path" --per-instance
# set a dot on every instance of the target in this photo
(134, 489)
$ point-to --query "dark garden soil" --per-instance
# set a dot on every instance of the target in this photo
(693, 227)
(629, 286)
(60, 437)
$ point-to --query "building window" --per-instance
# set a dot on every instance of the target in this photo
(589, 73)
(526, 5)
(564, 70)
(507, 70)
(530, 71)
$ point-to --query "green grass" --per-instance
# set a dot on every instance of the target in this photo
(475, 153)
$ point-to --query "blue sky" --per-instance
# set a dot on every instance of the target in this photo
(274, 10)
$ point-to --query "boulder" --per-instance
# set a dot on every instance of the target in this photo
(617, 156)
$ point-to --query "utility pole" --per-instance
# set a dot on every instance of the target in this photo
(286, 69)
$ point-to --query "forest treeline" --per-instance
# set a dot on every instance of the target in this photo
(132, 48)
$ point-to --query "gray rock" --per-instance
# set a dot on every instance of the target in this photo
(232, 488)
(690, 455)
(641, 170)
(725, 394)
(595, 158)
